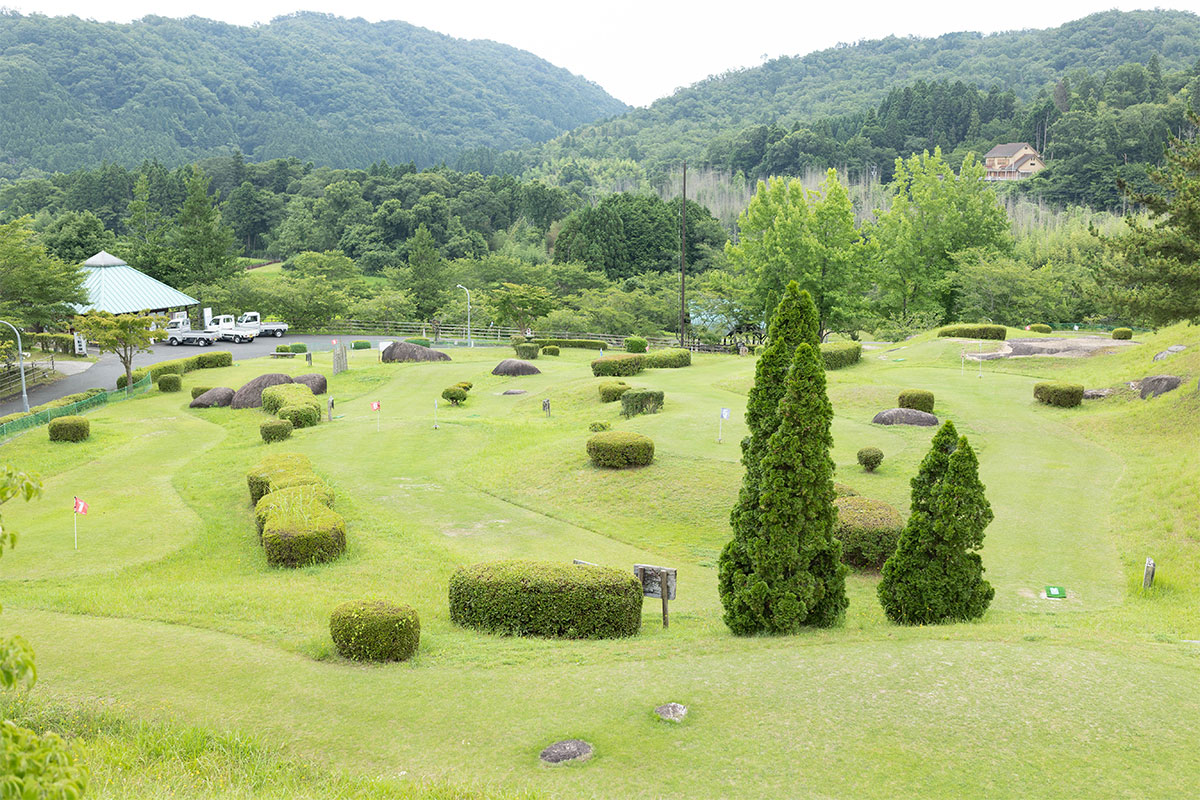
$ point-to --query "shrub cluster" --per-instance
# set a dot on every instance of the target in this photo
(179, 366)
(620, 449)
(279, 471)
(840, 354)
(455, 394)
(1041, 327)
(975, 331)
(670, 358)
(527, 350)
(287, 500)
(280, 395)
(298, 527)
(301, 416)
(635, 344)
(360, 344)
(283, 348)
(465, 385)
(1122, 333)
(170, 383)
(69, 429)
(920, 399)
(275, 430)
(56, 342)
(375, 630)
(1058, 393)
(870, 458)
(199, 390)
(598, 426)
(421, 340)
(65, 400)
(618, 365)
(868, 530)
(586, 344)
(539, 598)
(550, 350)
(641, 401)
(611, 391)
(298, 347)
(517, 339)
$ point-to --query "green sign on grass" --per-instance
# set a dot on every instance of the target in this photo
(1056, 593)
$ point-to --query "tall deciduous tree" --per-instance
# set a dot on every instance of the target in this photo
(520, 304)
(75, 236)
(202, 246)
(1157, 277)
(36, 289)
(125, 335)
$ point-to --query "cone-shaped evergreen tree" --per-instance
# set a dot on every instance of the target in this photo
(789, 573)
(794, 321)
(933, 467)
(936, 575)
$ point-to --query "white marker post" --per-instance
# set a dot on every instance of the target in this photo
(721, 424)
(435, 425)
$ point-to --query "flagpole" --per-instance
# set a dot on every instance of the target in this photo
(75, 517)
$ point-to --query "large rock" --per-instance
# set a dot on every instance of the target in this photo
(315, 381)
(671, 712)
(1097, 394)
(250, 395)
(407, 351)
(567, 750)
(514, 366)
(218, 397)
(905, 416)
(1159, 384)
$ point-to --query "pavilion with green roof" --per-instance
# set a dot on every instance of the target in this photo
(115, 287)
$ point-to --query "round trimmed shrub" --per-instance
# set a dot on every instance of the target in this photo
(635, 344)
(517, 339)
(919, 399)
(1122, 333)
(199, 390)
(360, 344)
(1058, 393)
(375, 630)
(868, 530)
(527, 350)
(283, 348)
(418, 340)
(620, 449)
(611, 391)
(1041, 327)
(298, 347)
(69, 429)
(455, 394)
(275, 430)
(598, 426)
(541, 598)
(870, 458)
(170, 383)
(550, 350)
(301, 416)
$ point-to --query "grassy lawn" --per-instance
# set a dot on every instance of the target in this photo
(168, 611)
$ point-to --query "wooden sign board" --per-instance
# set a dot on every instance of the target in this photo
(651, 584)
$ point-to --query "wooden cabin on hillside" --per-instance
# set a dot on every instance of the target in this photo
(1011, 162)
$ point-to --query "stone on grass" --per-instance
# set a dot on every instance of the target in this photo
(1177, 348)
(220, 396)
(406, 351)
(1159, 384)
(250, 395)
(515, 366)
(515, 391)
(315, 381)
(905, 416)
(1097, 394)
(567, 750)
(672, 712)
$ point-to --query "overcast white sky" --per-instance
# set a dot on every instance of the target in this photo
(640, 50)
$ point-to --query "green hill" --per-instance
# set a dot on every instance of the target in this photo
(340, 92)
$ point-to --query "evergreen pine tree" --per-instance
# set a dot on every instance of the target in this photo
(202, 245)
(783, 569)
(936, 575)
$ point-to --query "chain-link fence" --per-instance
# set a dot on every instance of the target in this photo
(38, 418)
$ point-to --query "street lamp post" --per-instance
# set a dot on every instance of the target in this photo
(468, 291)
(20, 365)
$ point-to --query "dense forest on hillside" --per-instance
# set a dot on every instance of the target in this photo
(341, 92)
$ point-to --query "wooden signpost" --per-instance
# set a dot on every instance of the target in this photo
(654, 580)
(1148, 575)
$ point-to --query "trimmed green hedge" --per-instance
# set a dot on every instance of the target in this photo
(281, 395)
(527, 351)
(620, 449)
(421, 340)
(618, 365)
(375, 630)
(540, 598)
(550, 350)
(65, 400)
(279, 471)
(641, 401)
(170, 383)
(360, 344)
(179, 366)
(671, 358)
(283, 348)
(306, 533)
(840, 354)
(611, 391)
(274, 430)
(1058, 393)
(285, 500)
(298, 347)
(1041, 327)
(56, 342)
(586, 344)
(301, 416)
(598, 426)
(1122, 333)
(920, 399)
(975, 331)
(868, 529)
(465, 385)
(869, 458)
(69, 429)
(199, 390)
(635, 344)
(455, 394)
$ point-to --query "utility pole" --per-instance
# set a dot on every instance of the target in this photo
(683, 261)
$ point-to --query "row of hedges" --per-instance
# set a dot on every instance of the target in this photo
(670, 358)
(56, 342)
(179, 366)
(840, 354)
(975, 331)
(1058, 393)
(586, 344)
(618, 365)
(65, 400)
(534, 598)
(293, 512)
(641, 401)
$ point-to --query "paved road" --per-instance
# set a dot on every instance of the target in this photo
(104, 372)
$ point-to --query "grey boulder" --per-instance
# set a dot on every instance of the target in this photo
(220, 396)
(567, 750)
(905, 416)
(1159, 384)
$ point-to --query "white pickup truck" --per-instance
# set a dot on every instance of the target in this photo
(179, 331)
(251, 321)
(228, 330)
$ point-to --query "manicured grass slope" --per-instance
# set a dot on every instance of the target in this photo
(1081, 497)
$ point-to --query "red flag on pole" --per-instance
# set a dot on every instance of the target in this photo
(374, 405)
(80, 506)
